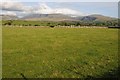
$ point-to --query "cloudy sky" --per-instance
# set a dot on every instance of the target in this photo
(21, 8)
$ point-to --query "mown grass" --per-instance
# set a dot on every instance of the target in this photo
(59, 52)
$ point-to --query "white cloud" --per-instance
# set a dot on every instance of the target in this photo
(12, 6)
(40, 9)
(66, 11)
(9, 5)
(44, 9)
(9, 13)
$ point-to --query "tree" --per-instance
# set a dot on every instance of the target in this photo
(8, 23)
(52, 26)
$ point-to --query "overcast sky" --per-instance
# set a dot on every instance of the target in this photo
(20, 7)
(63, 0)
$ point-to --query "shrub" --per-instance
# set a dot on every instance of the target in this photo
(52, 26)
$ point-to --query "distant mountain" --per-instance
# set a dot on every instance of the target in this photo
(59, 17)
(102, 18)
(8, 17)
(47, 17)
(88, 18)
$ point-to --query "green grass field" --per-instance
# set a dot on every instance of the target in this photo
(59, 52)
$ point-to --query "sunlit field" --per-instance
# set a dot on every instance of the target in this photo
(59, 52)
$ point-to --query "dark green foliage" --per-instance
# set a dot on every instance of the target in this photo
(62, 23)
(9, 22)
(36, 25)
(52, 26)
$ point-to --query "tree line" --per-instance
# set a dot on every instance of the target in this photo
(113, 23)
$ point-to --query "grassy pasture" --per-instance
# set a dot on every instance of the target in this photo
(59, 52)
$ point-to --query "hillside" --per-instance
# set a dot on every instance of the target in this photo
(58, 17)
(47, 17)
(8, 17)
(102, 17)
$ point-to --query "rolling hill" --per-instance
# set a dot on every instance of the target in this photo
(59, 17)
(8, 17)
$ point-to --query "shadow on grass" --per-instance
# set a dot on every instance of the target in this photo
(112, 74)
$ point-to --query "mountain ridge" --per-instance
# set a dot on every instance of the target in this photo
(59, 17)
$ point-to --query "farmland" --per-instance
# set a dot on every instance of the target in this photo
(59, 52)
